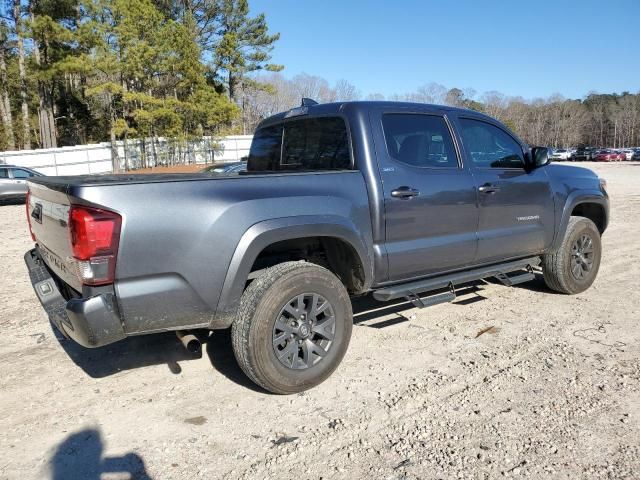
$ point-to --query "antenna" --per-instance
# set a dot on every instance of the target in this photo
(307, 102)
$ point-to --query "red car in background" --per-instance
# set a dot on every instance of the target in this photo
(620, 155)
(608, 156)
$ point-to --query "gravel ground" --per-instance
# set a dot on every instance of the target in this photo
(549, 390)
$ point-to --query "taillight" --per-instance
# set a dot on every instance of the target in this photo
(27, 202)
(94, 241)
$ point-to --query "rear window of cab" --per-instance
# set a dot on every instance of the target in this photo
(309, 144)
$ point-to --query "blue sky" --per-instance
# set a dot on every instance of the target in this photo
(528, 48)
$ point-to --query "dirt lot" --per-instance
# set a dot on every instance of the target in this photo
(551, 390)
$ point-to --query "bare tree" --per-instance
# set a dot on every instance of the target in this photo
(344, 91)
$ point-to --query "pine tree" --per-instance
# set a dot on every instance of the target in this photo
(244, 46)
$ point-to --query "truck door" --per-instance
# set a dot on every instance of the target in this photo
(516, 205)
(430, 209)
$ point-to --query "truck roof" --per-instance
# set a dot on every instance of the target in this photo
(362, 106)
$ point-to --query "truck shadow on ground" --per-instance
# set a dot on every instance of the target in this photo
(80, 456)
(130, 353)
(165, 348)
(223, 360)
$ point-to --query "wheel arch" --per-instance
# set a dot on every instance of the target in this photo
(337, 231)
(592, 205)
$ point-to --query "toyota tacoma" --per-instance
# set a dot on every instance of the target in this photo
(398, 200)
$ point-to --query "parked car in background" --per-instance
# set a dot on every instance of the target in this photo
(234, 167)
(606, 155)
(628, 152)
(618, 155)
(636, 154)
(583, 154)
(601, 156)
(561, 154)
(13, 182)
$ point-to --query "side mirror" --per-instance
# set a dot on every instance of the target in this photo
(539, 157)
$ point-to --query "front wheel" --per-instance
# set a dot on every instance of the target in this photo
(293, 327)
(574, 266)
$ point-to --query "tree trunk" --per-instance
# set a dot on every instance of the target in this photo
(115, 158)
(143, 152)
(126, 156)
(233, 88)
(5, 104)
(154, 150)
(26, 142)
(46, 118)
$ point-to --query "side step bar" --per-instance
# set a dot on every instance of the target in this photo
(508, 281)
(431, 300)
(411, 290)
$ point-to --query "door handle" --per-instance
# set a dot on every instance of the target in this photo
(488, 188)
(405, 192)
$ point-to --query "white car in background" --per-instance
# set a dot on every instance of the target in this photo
(561, 154)
(628, 153)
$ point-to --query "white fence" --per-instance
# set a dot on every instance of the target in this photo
(97, 158)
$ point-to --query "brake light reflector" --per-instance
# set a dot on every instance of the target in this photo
(27, 204)
(94, 235)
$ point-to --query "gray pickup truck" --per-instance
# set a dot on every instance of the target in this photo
(397, 199)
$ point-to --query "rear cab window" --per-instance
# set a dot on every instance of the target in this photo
(308, 144)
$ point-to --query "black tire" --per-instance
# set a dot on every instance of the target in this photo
(264, 302)
(567, 271)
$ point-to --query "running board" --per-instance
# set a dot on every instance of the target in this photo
(431, 300)
(411, 290)
(508, 281)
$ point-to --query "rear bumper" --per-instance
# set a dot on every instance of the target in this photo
(91, 322)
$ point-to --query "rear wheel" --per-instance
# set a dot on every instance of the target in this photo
(574, 266)
(293, 327)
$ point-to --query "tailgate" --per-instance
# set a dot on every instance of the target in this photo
(49, 216)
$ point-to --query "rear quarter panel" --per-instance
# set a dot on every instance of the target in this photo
(178, 237)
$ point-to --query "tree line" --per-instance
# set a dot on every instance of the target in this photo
(598, 120)
(82, 71)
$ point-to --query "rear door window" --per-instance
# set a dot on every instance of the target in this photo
(419, 140)
(4, 173)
